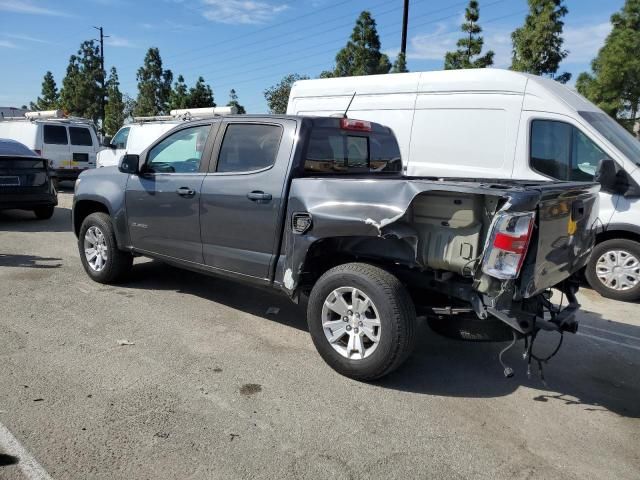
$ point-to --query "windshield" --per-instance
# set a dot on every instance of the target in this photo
(615, 133)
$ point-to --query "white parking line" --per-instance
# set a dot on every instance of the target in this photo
(608, 341)
(29, 465)
(582, 325)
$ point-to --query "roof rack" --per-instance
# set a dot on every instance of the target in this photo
(50, 115)
(186, 114)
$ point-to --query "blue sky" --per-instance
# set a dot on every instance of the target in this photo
(250, 44)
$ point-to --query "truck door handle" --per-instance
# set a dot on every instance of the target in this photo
(185, 192)
(258, 196)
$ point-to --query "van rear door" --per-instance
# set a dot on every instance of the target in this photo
(83, 147)
(55, 146)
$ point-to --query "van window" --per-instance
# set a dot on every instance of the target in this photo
(120, 139)
(248, 147)
(615, 133)
(331, 150)
(55, 135)
(80, 136)
(561, 151)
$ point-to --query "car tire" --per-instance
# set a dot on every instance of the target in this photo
(380, 299)
(469, 327)
(616, 253)
(44, 213)
(97, 232)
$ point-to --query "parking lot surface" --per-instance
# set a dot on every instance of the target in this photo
(177, 375)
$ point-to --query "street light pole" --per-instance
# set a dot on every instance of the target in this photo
(405, 21)
(102, 83)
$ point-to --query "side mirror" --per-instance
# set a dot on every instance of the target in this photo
(608, 177)
(129, 163)
(106, 142)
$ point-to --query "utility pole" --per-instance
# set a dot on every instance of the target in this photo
(405, 21)
(104, 74)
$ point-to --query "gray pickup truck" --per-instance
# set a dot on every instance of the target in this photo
(319, 207)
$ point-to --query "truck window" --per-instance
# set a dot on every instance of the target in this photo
(120, 139)
(561, 151)
(331, 150)
(80, 136)
(55, 135)
(180, 152)
(248, 147)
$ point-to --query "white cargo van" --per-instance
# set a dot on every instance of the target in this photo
(70, 144)
(493, 123)
(134, 137)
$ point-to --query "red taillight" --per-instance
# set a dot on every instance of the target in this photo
(358, 125)
(510, 239)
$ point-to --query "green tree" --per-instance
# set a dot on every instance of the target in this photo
(362, 55)
(327, 74)
(537, 45)
(400, 65)
(50, 99)
(179, 96)
(114, 108)
(81, 94)
(201, 95)
(614, 84)
(277, 96)
(233, 102)
(154, 85)
(129, 106)
(470, 46)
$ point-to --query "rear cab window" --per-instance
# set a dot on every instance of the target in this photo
(332, 150)
(80, 136)
(55, 135)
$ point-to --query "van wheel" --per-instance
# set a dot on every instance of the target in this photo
(362, 321)
(44, 213)
(614, 269)
(99, 252)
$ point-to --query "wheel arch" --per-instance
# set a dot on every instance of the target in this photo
(83, 208)
(615, 231)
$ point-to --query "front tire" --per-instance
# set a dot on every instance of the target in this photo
(362, 321)
(614, 269)
(99, 253)
(44, 213)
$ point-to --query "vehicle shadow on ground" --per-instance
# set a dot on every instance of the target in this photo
(25, 221)
(593, 376)
(29, 261)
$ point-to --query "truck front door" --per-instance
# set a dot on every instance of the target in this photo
(243, 196)
(163, 201)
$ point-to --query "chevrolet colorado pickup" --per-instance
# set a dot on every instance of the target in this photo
(319, 207)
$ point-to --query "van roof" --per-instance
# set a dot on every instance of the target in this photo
(471, 80)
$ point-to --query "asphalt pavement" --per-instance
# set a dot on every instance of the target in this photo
(176, 375)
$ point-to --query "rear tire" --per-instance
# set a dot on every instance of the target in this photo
(382, 309)
(97, 233)
(44, 213)
(621, 254)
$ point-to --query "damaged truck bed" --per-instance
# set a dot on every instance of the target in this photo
(329, 215)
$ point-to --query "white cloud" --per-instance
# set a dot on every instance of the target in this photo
(241, 11)
(584, 42)
(19, 36)
(28, 7)
(116, 41)
(7, 44)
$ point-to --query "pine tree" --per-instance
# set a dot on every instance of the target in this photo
(200, 95)
(615, 83)
(469, 47)
(362, 55)
(537, 45)
(154, 85)
(179, 96)
(50, 99)
(233, 102)
(277, 96)
(114, 108)
(400, 65)
(81, 93)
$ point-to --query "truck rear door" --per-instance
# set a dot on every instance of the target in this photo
(243, 195)
(567, 219)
